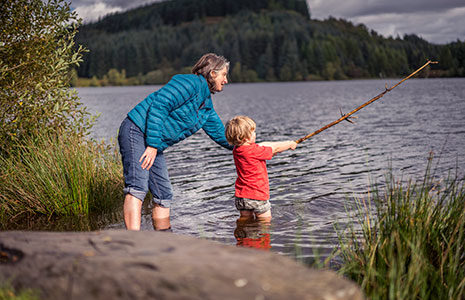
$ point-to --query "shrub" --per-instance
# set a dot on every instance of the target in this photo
(37, 53)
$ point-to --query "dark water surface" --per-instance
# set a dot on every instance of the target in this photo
(310, 186)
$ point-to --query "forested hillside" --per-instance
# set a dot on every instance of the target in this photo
(264, 40)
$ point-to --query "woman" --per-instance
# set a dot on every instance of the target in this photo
(165, 117)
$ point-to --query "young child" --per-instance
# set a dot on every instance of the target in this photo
(252, 185)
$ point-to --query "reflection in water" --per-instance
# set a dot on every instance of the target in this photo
(63, 223)
(253, 233)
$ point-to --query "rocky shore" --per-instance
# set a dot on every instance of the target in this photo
(157, 265)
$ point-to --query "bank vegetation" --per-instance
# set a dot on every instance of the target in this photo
(48, 164)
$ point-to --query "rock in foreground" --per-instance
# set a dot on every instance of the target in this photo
(156, 265)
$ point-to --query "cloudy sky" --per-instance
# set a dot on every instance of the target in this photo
(437, 21)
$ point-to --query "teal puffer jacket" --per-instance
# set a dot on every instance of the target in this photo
(178, 110)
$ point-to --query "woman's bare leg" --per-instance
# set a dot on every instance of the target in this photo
(160, 217)
(132, 212)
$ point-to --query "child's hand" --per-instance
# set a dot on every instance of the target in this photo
(293, 145)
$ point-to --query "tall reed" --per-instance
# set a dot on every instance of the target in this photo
(411, 241)
(64, 175)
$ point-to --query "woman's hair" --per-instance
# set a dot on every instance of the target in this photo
(239, 129)
(208, 63)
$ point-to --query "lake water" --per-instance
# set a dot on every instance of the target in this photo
(310, 186)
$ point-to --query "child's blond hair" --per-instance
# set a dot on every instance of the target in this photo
(239, 129)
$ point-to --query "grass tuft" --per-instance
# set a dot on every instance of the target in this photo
(59, 176)
(9, 293)
(410, 243)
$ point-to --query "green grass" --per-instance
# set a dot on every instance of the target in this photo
(410, 242)
(8, 293)
(59, 176)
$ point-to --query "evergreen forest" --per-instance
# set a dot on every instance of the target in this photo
(265, 40)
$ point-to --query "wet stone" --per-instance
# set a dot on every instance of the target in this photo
(9, 255)
(157, 265)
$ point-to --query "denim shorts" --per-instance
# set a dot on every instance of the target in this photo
(256, 206)
(138, 181)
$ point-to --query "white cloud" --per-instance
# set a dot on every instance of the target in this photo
(436, 22)
(441, 27)
(358, 8)
(92, 12)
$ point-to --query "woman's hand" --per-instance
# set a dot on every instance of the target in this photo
(148, 157)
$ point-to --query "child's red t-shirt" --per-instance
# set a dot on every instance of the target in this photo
(252, 176)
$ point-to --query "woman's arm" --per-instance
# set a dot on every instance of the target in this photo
(214, 128)
(278, 147)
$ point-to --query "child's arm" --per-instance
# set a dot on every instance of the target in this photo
(279, 146)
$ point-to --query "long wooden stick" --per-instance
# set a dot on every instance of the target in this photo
(346, 116)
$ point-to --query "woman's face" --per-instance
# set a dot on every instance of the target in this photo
(220, 78)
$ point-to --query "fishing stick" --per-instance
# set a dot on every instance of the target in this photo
(346, 116)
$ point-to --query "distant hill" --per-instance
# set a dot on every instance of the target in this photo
(265, 40)
(175, 12)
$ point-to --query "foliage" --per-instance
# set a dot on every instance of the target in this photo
(116, 78)
(412, 245)
(274, 42)
(62, 175)
(8, 293)
(47, 167)
(37, 51)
